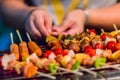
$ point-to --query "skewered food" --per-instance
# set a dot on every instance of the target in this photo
(34, 48)
(68, 53)
(24, 53)
(15, 50)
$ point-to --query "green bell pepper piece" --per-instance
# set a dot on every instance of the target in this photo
(76, 65)
(69, 37)
(99, 62)
(52, 67)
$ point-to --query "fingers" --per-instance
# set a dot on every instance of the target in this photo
(30, 27)
(66, 24)
(35, 31)
(39, 23)
(48, 23)
(56, 30)
(74, 30)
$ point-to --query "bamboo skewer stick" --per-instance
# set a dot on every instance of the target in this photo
(89, 71)
(60, 68)
(18, 33)
(11, 37)
(46, 75)
(28, 36)
(115, 27)
(42, 74)
(112, 66)
(75, 72)
(102, 30)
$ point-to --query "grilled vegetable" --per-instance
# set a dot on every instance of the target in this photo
(80, 57)
(76, 65)
(99, 62)
(53, 67)
(49, 54)
(116, 55)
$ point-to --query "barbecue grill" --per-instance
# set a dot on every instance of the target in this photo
(103, 73)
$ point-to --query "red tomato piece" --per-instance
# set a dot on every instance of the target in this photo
(58, 51)
(91, 31)
(87, 47)
(103, 36)
(64, 52)
(99, 46)
(110, 45)
(117, 46)
(90, 52)
(47, 53)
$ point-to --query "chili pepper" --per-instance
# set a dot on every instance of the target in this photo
(53, 67)
(99, 62)
(76, 65)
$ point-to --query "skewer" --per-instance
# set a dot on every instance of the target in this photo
(89, 71)
(87, 30)
(102, 30)
(14, 47)
(11, 37)
(111, 66)
(42, 74)
(115, 27)
(63, 69)
(114, 67)
(18, 33)
(28, 36)
(46, 75)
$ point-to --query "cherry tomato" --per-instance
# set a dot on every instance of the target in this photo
(104, 36)
(64, 52)
(110, 45)
(99, 46)
(87, 47)
(117, 46)
(91, 31)
(58, 51)
(47, 53)
(91, 52)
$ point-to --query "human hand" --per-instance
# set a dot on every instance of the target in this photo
(72, 24)
(39, 24)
